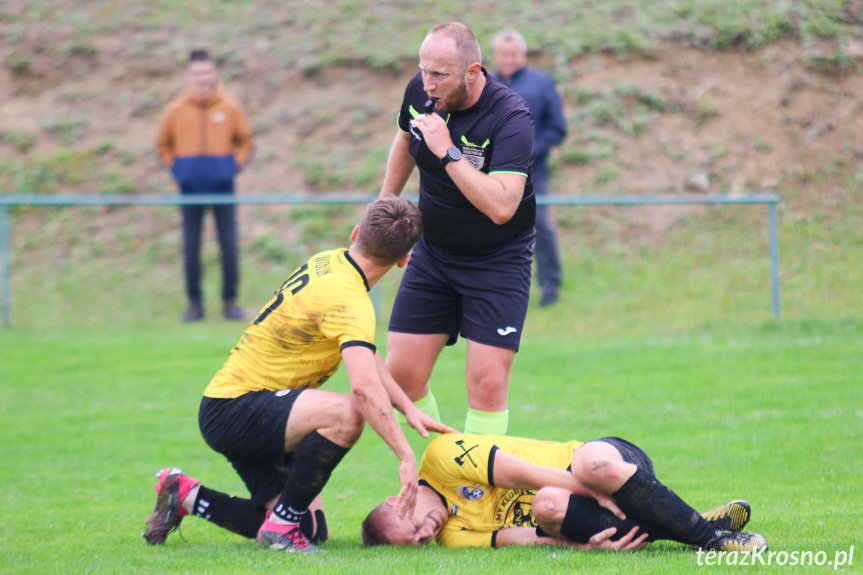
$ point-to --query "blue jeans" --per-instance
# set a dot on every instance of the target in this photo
(226, 226)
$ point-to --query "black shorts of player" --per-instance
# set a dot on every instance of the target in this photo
(482, 297)
(631, 453)
(249, 431)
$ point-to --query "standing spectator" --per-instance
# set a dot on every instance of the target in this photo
(470, 271)
(538, 90)
(205, 140)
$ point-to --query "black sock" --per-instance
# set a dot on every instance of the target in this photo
(585, 518)
(312, 464)
(233, 513)
(644, 498)
(307, 526)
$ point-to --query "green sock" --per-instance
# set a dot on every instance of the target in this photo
(427, 405)
(486, 422)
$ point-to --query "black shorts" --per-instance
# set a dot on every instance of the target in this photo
(249, 431)
(631, 453)
(482, 297)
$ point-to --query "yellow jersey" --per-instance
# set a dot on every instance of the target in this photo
(296, 340)
(460, 468)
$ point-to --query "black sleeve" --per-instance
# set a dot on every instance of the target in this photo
(371, 346)
(490, 466)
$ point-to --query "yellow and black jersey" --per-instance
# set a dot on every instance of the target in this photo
(460, 468)
(296, 340)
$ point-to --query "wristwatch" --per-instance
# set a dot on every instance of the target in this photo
(452, 155)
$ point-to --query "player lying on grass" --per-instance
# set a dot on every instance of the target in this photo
(263, 411)
(493, 491)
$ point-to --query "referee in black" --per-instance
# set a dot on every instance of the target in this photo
(472, 140)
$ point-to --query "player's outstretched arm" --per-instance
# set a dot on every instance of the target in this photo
(400, 165)
(374, 403)
(416, 418)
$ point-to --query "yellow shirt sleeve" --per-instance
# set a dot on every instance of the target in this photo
(454, 458)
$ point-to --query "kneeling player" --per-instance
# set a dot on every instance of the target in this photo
(264, 412)
(493, 491)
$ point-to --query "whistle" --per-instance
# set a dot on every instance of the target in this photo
(429, 107)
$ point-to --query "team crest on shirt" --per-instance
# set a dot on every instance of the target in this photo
(471, 492)
(475, 154)
(515, 508)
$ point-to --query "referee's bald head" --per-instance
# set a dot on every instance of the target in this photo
(465, 42)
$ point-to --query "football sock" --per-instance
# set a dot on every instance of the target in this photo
(486, 422)
(232, 513)
(585, 518)
(427, 405)
(307, 526)
(644, 498)
(311, 467)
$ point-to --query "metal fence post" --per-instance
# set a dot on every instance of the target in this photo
(774, 258)
(4, 264)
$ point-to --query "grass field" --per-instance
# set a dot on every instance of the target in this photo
(664, 339)
(87, 416)
(668, 343)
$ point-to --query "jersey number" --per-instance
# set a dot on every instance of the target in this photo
(298, 280)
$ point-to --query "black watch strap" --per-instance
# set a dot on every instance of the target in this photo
(452, 155)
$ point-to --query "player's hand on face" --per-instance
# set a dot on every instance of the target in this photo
(628, 542)
(435, 133)
(406, 501)
(424, 423)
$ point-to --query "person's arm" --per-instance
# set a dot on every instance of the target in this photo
(400, 165)
(497, 195)
(165, 142)
(374, 403)
(602, 540)
(512, 473)
(243, 140)
(416, 418)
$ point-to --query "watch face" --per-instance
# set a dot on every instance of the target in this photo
(453, 154)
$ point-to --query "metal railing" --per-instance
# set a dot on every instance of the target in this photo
(7, 200)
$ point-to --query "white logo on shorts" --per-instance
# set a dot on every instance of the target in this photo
(283, 392)
(507, 330)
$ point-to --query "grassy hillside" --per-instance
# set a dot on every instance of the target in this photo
(750, 96)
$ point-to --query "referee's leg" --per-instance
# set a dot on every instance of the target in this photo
(487, 373)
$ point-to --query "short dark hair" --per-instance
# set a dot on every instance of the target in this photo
(199, 56)
(465, 41)
(373, 529)
(389, 229)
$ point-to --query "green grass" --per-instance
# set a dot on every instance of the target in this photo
(668, 342)
(88, 415)
(664, 338)
(381, 34)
